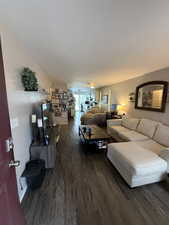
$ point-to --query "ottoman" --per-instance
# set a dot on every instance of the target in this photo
(138, 166)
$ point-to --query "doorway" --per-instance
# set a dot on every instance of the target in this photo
(10, 209)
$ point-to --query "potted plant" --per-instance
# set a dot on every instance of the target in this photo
(29, 80)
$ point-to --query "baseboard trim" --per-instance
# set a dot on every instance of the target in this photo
(22, 194)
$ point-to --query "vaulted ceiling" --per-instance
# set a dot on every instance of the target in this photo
(98, 41)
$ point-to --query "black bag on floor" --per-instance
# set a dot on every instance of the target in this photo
(34, 173)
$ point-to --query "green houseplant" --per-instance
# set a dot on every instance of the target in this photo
(29, 79)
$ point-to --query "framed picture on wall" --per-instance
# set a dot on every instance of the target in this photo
(105, 99)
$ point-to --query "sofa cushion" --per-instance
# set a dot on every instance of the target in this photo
(137, 160)
(98, 119)
(147, 127)
(130, 123)
(132, 136)
(96, 110)
(85, 118)
(118, 129)
(151, 146)
(162, 135)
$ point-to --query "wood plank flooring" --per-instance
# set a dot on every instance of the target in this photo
(85, 189)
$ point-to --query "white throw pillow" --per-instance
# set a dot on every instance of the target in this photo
(130, 123)
(147, 127)
(162, 135)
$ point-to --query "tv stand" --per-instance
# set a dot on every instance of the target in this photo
(46, 152)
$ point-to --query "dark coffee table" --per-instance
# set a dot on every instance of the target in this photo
(98, 136)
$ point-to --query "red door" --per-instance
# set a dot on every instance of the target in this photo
(10, 209)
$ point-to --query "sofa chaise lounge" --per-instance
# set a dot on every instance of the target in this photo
(142, 153)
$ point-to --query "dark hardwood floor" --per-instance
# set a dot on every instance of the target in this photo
(85, 189)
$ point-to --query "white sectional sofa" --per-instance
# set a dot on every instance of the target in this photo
(142, 153)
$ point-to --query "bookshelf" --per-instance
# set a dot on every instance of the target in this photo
(63, 105)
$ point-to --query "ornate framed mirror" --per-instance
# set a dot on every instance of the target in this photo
(152, 96)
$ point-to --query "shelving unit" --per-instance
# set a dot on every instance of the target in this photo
(63, 106)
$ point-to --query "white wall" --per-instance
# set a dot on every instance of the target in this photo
(120, 92)
(20, 102)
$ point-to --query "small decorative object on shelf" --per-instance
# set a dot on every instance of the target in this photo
(132, 97)
(43, 91)
(29, 80)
